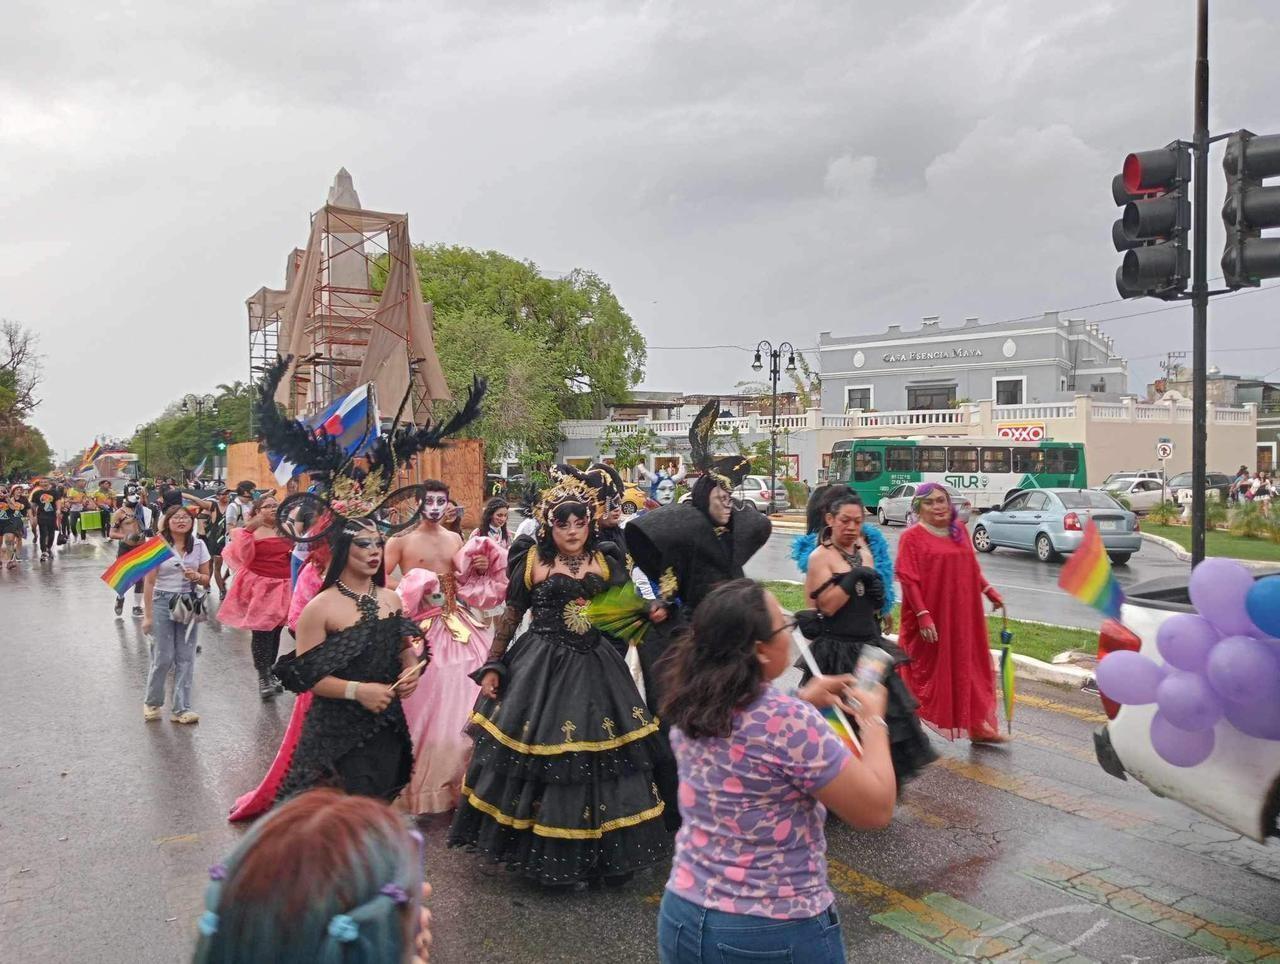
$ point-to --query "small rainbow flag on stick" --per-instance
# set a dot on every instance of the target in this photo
(1087, 575)
(90, 454)
(136, 563)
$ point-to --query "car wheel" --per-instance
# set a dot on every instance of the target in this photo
(884, 516)
(629, 508)
(982, 539)
(1044, 549)
(1119, 558)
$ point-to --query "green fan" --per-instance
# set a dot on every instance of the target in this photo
(621, 612)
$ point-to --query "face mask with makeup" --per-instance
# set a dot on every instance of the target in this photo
(435, 506)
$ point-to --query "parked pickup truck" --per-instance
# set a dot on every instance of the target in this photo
(1238, 785)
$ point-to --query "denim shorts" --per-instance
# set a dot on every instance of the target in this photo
(689, 934)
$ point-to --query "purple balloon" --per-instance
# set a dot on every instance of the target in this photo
(1188, 702)
(1179, 747)
(1184, 641)
(1242, 669)
(1218, 590)
(1129, 677)
(1263, 605)
(1261, 719)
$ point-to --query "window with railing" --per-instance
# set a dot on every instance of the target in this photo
(932, 397)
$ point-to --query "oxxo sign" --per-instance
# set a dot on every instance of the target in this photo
(1021, 431)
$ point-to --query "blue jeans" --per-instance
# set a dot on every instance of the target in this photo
(171, 648)
(689, 934)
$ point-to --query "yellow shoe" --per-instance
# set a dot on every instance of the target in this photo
(187, 717)
(150, 712)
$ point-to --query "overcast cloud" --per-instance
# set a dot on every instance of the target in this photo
(735, 170)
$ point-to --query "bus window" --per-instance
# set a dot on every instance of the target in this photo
(1061, 461)
(1028, 461)
(931, 458)
(839, 468)
(995, 460)
(962, 459)
(866, 465)
(898, 458)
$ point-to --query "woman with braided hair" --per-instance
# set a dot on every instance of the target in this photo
(326, 879)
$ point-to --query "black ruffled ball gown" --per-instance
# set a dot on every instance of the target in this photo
(561, 784)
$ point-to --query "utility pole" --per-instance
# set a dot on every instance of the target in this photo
(1200, 285)
(1170, 365)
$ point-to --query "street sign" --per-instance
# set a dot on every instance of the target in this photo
(1164, 451)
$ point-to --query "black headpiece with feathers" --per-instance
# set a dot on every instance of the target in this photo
(343, 499)
(726, 470)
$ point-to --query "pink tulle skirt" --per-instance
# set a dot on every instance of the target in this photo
(255, 602)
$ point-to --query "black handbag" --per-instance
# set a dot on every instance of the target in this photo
(62, 538)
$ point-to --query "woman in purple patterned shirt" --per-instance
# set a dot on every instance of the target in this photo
(758, 771)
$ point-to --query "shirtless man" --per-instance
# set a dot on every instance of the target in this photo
(429, 545)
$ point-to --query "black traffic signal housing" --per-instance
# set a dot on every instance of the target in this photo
(1154, 230)
(220, 439)
(1250, 207)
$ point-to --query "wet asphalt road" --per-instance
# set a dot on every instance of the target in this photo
(1029, 587)
(108, 825)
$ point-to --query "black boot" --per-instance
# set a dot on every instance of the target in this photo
(265, 689)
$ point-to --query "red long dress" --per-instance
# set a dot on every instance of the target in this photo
(953, 678)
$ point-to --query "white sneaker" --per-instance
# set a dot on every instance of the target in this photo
(187, 717)
(150, 712)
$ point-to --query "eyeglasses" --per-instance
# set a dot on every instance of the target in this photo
(786, 627)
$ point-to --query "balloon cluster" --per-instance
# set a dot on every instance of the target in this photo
(1221, 663)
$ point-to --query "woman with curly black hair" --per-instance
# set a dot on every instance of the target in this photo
(561, 785)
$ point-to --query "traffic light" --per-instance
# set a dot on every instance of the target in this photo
(221, 438)
(1250, 207)
(1154, 229)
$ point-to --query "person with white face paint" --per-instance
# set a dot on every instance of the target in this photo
(663, 482)
(443, 586)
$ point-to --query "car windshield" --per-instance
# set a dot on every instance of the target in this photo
(1088, 499)
(1182, 478)
(1115, 485)
(1116, 477)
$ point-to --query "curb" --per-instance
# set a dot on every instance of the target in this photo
(1184, 556)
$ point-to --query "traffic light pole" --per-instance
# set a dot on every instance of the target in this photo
(1200, 286)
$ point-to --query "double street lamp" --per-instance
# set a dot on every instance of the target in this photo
(775, 370)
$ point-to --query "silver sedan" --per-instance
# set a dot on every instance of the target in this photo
(896, 506)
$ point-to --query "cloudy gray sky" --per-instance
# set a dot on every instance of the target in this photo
(735, 170)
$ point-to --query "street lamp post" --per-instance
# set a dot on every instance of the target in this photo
(775, 370)
(145, 432)
(199, 404)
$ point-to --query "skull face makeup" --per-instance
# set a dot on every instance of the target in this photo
(435, 506)
(665, 492)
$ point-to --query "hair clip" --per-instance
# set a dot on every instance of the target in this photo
(343, 928)
(395, 892)
(208, 923)
(218, 872)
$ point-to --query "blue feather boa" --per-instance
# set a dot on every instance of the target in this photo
(802, 547)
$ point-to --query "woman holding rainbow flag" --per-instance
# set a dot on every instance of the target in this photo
(943, 628)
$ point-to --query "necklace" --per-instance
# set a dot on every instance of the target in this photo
(574, 563)
(366, 602)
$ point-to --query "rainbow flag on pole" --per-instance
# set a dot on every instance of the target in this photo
(93, 452)
(1087, 575)
(136, 563)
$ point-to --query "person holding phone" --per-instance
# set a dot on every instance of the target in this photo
(943, 627)
(262, 588)
(759, 770)
(174, 643)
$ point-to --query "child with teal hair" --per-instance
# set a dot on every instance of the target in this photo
(326, 878)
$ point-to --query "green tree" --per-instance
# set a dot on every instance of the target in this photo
(629, 449)
(23, 450)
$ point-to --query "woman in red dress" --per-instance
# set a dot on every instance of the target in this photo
(943, 627)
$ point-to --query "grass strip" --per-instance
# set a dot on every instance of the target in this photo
(1219, 543)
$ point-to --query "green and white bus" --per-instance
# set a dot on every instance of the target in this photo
(986, 471)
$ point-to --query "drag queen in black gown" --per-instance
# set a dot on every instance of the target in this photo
(561, 785)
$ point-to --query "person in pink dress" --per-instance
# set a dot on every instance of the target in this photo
(449, 611)
(262, 589)
(943, 628)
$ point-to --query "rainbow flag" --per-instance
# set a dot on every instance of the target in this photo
(87, 462)
(1087, 575)
(136, 563)
(843, 729)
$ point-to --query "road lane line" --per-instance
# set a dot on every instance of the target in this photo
(1053, 706)
(1172, 911)
(946, 926)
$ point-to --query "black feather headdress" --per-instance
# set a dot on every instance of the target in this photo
(727, 470)
(344, 497)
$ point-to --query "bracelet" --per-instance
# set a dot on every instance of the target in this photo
(350, 693)
(923, 612)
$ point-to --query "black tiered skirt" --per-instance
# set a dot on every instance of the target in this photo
(561, 785)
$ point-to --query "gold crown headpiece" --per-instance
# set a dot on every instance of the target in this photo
(570, 487)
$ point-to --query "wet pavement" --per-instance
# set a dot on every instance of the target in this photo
(1029, 587)
(1030, 853)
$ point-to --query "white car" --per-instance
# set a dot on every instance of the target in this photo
(896, 506)
(1238, 785)
(1142, 495)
